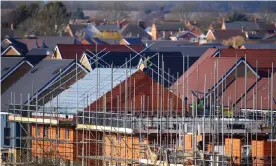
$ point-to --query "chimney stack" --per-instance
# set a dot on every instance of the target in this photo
(242, 28)
(256, 19)
(223, 20)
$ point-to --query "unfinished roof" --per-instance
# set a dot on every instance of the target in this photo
(134, 30)
(117, 59)
(90, 88)
(143, 96)
(69, 51)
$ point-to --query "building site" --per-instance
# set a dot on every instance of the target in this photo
(108, 105)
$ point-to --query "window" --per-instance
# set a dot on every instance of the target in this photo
(34, 70)
(37, 130)
(57, 132)
(56, 71)
(7, 132)
(193, 40)
(163, 33)
(46, 131)
(66, 133)
(67, 163)
(5, 69)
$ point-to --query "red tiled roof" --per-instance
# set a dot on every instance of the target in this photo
(264, 57)
(262, 95)
(143, 94)
(195, 30)
(236, 90)
(193, 79)
(69, 51)
(227, 34)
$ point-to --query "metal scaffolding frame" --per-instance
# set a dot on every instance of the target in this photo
(147, 137)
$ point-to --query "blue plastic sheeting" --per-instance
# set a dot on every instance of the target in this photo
(87, 90)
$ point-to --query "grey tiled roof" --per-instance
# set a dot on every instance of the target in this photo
(170, 26)
(52, 41)
(157, 44)
(260, 46)
(134, 30)
(34, 81)
(191, 51)
(237, 25)
(40, 51)
(8, 64)
(76, 27)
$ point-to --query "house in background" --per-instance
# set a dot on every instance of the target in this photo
(131, 41)
(134, 30)
(20, 46)
(12, 69)
(220, 35)
(252, 29)
(185, 35)
(164, 30)
(259, 46)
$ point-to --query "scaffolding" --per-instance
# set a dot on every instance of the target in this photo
(211, 132)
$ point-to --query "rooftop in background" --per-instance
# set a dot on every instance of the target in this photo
(191, 51)
(69, 51)
(133, 41)
(170, 26)
(52, 41)
(108, 28)
(40, 51)
(76, 27)
(259, 46)
(226, 34)
(157, 44)
(250, 26)
(134, 30)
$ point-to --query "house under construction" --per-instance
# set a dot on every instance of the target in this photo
(217, 110)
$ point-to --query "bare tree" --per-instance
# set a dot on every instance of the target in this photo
(113, 11)
(185, 11)
(267, 14)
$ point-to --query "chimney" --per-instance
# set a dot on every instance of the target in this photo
(223, 20)
(242, 28)
(256, 19)
(12, 28)
(118, 24)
